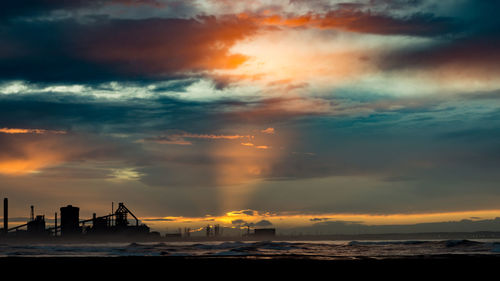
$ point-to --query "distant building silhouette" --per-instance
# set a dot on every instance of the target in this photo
(5, 215)
(37, 226)
(70, 220)
(265, 232)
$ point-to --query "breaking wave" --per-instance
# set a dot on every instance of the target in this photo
(268, 249)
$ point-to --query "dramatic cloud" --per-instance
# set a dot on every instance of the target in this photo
(268, 131)
(25, 154)
(329, 112)
(183, 138)
(29, 131)
(466, 58)
(353, 20)
(14, 9)
(101, 50)
(213, 137)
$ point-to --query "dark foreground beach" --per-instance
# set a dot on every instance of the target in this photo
(221, 268)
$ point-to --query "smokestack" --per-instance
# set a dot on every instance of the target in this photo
(55, 227)
(112, 212)
(5, 215)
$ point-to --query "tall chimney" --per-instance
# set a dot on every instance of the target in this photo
(5, 215)
(55, 226)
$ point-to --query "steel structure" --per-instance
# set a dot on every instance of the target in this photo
(70, 224)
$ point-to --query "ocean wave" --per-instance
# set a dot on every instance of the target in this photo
(262, 248)
(134, 245)
(224, 245)
(383, 243)
(461, 243)
(276, 245)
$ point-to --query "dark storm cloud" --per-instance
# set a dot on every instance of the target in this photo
(392, 4)
(389, 146)
(12, 9)
(153, 116)
(99, 48)
(470, 52)
(437, 160)
(473, 47)
(109, 50)
(385, 17)
(475, 134)
(418, 24)
(386, 150)
(363, 20)
(84, 113)
(33, 8)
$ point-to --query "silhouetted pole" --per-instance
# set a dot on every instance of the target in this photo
(112, 212)
(32, 213)
(5, 215)
(55, 227)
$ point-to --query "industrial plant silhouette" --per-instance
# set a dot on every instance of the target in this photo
(114, 225)
(71, 225)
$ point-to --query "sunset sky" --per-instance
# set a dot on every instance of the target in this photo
(294, 114)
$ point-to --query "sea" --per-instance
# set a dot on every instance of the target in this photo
(322, 250)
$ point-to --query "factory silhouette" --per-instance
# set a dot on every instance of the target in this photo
(116, 224)
(71, 225)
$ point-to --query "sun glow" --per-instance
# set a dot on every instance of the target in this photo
(280, 57)
(290, 220)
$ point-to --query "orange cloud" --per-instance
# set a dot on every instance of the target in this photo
(167, 46)
(28, 153)
(31, 156)
(268, 131)
(283, 61)
(211, 136)
(256, 146)
(354, 21)
(168, 140)
(29, 131)
(35, 162)
(181, 138)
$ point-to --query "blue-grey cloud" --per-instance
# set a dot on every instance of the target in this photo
(472, 46)
(343, 227)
